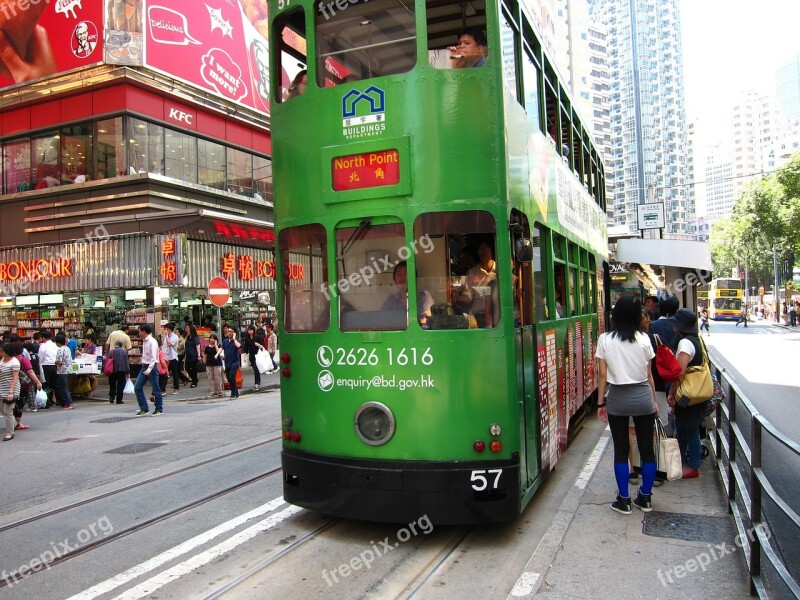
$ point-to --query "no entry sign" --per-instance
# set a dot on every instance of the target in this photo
(219, 292)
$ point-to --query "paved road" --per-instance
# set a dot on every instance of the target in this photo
(764, 361)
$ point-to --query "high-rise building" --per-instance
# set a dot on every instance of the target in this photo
(719, 183)
(756, 130)
(649, 160)
(787, 81)
(599, 109)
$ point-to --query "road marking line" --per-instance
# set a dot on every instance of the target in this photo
(525, 584)
(146, 588)
(542, 558)
(187, 546)
(591, 463)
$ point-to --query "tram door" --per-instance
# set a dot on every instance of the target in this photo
(525, 338)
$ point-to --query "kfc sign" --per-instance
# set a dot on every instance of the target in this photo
(181, 117)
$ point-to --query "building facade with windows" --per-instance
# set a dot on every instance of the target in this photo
(139, 171)
(649, 161)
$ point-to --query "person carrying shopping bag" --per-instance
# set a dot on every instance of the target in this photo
(624, 354)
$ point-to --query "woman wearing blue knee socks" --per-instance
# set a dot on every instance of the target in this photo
(623, 356)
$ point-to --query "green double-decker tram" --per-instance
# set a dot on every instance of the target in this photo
(440, 219)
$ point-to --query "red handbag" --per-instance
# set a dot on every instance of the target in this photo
(108, 366)
(667, 365)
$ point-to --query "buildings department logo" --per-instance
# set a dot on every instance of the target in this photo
(363, 113)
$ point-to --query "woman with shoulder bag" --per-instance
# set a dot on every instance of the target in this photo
(623, 356)
(689, 353)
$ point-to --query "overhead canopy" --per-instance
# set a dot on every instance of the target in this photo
(669, 253)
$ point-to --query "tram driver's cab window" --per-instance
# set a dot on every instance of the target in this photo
(365, 39)
(457, 270)
(372, 273)
(457, 34)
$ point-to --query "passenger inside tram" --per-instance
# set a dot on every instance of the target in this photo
(470, 51)
(399, 299)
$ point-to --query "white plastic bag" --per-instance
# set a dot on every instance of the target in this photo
(129, 388)
(40, 399)
(263, 361)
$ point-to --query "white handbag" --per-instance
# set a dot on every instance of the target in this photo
(669, 454)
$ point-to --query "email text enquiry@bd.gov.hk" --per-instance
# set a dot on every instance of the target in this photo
(327, 382)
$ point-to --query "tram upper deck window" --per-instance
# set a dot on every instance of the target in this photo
(306, 294)
(456, 269)
(371, 289)
(290, 29)
(457, 34)
(365, 39)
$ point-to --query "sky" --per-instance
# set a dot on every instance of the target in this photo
(730, 46)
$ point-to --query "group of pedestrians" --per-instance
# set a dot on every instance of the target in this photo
(26, 366)
(180, 355)
(45, 363)
(627, 390)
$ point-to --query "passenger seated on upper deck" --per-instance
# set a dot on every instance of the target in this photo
(299, 84)
(399, 300)
(470, 51)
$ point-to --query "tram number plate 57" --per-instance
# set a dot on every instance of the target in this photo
(485, 479)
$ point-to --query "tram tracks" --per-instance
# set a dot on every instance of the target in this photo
(435, 564)
(140, 526)
(132, 486)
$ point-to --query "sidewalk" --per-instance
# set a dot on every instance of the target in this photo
(684, 548)
(202, 393)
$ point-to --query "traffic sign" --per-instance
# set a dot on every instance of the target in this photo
(219, 292)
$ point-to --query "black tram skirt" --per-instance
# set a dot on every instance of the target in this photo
(402, 491)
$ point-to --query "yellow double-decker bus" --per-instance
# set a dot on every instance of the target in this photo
(725, 299)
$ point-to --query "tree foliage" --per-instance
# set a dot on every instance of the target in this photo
(766, 213)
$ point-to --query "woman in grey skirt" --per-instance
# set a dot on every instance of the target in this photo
(623, 356)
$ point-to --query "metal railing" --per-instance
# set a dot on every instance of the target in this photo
(747, 447)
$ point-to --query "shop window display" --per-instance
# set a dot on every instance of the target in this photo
(123, 146)
(211, 161)
(110, 148)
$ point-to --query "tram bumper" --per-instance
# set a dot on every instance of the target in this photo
(449, 493)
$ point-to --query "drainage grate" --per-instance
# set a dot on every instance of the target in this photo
(133, 448)
(65, 440)
(114, 419)
(685, 526)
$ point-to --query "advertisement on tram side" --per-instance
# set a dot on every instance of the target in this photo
(46, 37)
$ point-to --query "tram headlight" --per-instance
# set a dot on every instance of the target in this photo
(374, 423)
(495, 430)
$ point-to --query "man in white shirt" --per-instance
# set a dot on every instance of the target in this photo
(170, 347)
(47, 358)
(149, 373)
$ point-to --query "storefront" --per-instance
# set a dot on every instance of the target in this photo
(132, 279)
